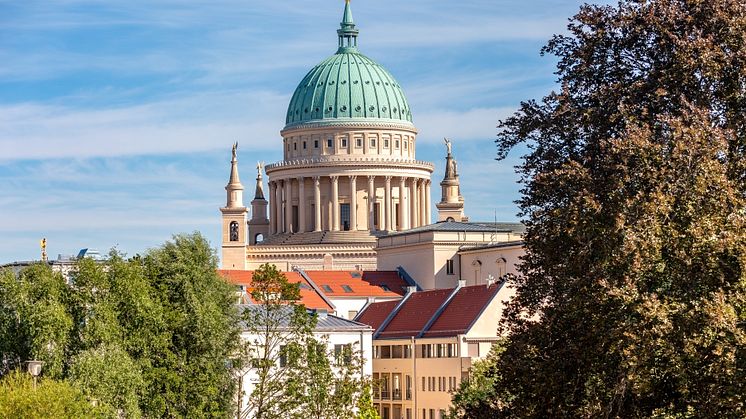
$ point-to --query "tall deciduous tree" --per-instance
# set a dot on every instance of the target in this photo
(149, 335)
(297, 374)
(632, 300)
(277, 329)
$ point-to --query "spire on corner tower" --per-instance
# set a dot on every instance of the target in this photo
(259, 192)
(451, 205)
(234, 188)
(259, 223)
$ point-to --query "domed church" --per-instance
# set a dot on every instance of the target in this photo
(349, 175)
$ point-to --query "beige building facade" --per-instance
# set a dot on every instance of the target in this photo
(424, 346)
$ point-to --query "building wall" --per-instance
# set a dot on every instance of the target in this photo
(433, 379)
(424, 255)
(360, 340)
(346, 305)
(477, 265)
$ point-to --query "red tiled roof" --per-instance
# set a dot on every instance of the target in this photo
(415, 313)
(361, 284)
(376, 313)
(309, 297)
(462, 311)
(456, 318)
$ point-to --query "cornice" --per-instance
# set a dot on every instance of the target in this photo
(347, 161)
(352, 123)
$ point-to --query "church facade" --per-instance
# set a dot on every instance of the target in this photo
(349, 174)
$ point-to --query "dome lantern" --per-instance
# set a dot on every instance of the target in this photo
(347, 31)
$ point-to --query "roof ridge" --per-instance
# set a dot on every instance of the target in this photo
(443, 305)
(393, 313)
(316, 288)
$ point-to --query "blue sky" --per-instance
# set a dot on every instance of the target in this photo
(117, 117)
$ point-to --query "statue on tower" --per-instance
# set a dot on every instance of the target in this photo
(235, 147)
(448, 145)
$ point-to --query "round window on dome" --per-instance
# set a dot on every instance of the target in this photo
(344, 81)
(372, 108)
(358, 108)
(329, 109)
(343, 108)
(384, 109)
(354, 82)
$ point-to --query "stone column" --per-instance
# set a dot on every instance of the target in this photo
(428, 203)
(278, 208)
(301, 205)
(403, 225)
(335, 202)
(289, 206)
(353, 203)
(371, 202)
(413, 203)
(272, 202)
(387, 203)
(423, 204)
(317, 204)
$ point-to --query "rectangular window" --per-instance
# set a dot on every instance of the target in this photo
(295, 146)
(315, 143)
(330, 143)
(283, 357)
(396, 144)
(359, 142)
(423, 383)
(385, 352)
(346, 288)
(386, 143)
(343, 354)
(304, 145)
(406, 145)
(344, 142)
(449, 267)
(372, 143)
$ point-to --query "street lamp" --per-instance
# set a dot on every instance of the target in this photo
(34, 368)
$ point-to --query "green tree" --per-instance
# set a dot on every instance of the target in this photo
(476, 396)
(110, 376)
(631, 301)
(188, 376)
(146, 336)
(297, 374)
(332, 381)
(277, 329)
(34, 322)
(51, 399)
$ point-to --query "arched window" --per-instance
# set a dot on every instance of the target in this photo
(502, 267)
(234, 231)
(259, 238)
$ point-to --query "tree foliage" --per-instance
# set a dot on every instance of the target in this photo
(295, 373)
(50, 400)
(632, 300)
(146, 336)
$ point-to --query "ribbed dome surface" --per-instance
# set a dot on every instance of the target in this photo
(348, 85)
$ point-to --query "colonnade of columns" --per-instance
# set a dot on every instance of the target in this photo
(409, 209)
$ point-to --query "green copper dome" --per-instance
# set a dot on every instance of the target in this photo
(348, 85)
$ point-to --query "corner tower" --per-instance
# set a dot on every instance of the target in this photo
(451, 205)
(234, 220)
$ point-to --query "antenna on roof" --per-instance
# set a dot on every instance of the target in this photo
(493, 236)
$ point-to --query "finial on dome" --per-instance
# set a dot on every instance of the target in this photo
(347, 32)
